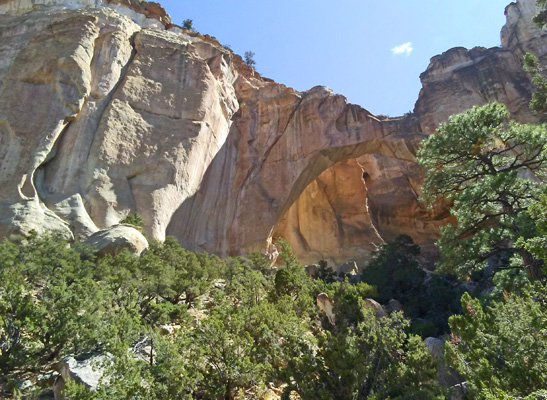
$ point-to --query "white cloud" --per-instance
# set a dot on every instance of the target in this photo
(403, 49)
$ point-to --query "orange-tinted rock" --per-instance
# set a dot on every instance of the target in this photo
(129, 117)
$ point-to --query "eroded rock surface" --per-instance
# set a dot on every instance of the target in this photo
(388, 205)
(125, 119)
(128, 116)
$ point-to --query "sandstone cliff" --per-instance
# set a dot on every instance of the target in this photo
(107, 109)
(453, 82)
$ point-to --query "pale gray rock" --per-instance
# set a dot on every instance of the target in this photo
(350, 268)
(52, 69)
(117, 238)
(23, 217)
(435, 347)
(87, 369)
(72, 210)
(445, 375)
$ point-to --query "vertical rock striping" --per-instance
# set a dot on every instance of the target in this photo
(106, 109)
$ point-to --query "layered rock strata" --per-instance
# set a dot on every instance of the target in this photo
(106, 109)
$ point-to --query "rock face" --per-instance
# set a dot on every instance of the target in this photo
(345, 213)
(130, 114)
(472, 77)
(461, 78)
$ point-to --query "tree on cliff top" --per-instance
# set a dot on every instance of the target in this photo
(249, 58)
(188, 24)
(490, 170)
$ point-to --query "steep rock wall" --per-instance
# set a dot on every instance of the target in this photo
(129, 116)
(124, 119)
(280, 141)
(453, 82)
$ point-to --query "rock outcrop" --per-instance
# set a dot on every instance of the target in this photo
(106, 109)
(446, 376)
(381, 201)
(376, 307)
(86, 369)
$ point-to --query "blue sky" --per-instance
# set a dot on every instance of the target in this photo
(347, 45)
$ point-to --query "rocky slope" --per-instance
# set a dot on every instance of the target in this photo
(107, 109)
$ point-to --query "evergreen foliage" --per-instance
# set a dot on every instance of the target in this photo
(258, 325)
(375, 359)
(395, 271)
(536, 71)
(249, 58)
(188, 24)
(490, 170)
(502, 348)
(133, 219)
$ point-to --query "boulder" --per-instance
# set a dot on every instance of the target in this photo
(117, 238)
(87, 369)
(435, 347)
(312, 270)
(445, 375)
(272, 252)
(350, 268)
(376, 307)
(394, 305)
(457, 392)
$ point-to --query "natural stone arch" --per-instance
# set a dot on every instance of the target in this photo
(346, 220)
(280, 142)
(342, 217)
